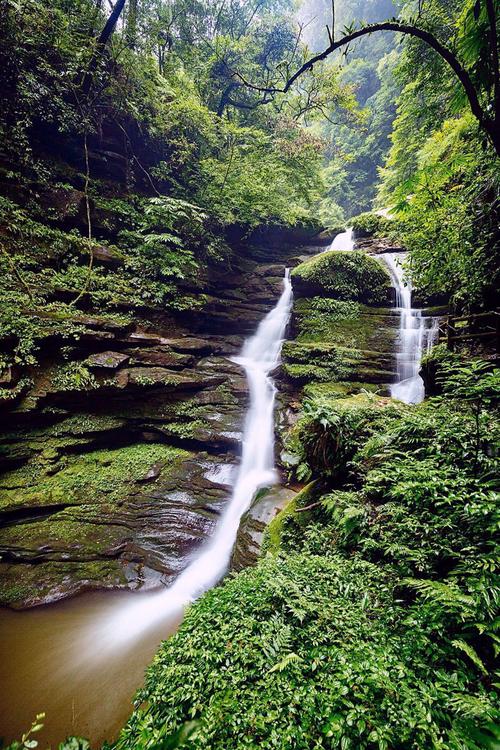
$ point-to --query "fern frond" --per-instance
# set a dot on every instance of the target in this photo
(283, 664)
(471, 653)
(448, 596)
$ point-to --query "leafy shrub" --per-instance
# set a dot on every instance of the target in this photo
(369, 223)
(305, 651)
(75, 376)
(330, 431)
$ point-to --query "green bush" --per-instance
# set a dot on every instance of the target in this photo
(330, 430)
(368, 224)
(344, 276)
(306, 652)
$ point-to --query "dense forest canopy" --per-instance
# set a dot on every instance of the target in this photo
(367, 127)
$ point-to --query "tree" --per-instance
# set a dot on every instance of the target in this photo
(487, 114)
(100, 44)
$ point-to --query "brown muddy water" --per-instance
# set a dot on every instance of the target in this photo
(54, 659)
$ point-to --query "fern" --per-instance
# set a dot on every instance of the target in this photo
(276, 638)
(447, 596)
(471, 653)
(283, 664)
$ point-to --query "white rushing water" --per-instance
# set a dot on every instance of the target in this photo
(417, 334)
(343, 241)
(259, 356)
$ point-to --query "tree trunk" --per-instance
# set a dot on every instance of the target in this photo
(100, 44)
(110, 25)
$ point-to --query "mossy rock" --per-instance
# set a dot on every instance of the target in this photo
(319, 361)
(24, 585)
(274, 530)
(339, 390)
(94, 477)
(368, 224)
(323, 361)
(344, 276)
(347, 324)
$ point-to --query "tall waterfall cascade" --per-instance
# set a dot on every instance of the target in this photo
(417, 335)
(259, 356)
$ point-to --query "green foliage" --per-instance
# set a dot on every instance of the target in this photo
(330, 431)
(357, 145)
(90, 135)
(344, 276)
(306, 651)
(441, 177)
(446, 216)
(263, 179)
(371, 621)
(370, 223)
(74, 376)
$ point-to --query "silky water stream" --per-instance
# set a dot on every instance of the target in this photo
(343, 241)
(417, 334)
(80, 661)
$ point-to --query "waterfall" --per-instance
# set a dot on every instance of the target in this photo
(259, 356)
(417, 334)
(343, 241)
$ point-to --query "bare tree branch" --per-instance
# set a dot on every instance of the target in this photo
(487, 123)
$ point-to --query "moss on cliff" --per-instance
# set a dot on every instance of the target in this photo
(106, 475)
(345, 323)
(344, 276)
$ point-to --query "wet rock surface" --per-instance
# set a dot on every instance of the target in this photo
(336, 346)
(253, 525)
(116, 458)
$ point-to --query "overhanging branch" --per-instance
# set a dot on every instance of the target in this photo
(487, 123)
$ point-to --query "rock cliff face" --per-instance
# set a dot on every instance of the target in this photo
(116, 458)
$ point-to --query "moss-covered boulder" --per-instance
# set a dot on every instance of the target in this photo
(369, 224)
(344, 276)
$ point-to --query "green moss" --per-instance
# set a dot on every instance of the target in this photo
(185, 430)
(317, 361)
(346, 324)
(83, 424)
(338, 390)
(344, 276)
(21, 584)
(274, 530)
(61, 535)
(105, 475)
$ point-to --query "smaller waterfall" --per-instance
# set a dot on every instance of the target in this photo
(417, 334)
(343, 241)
